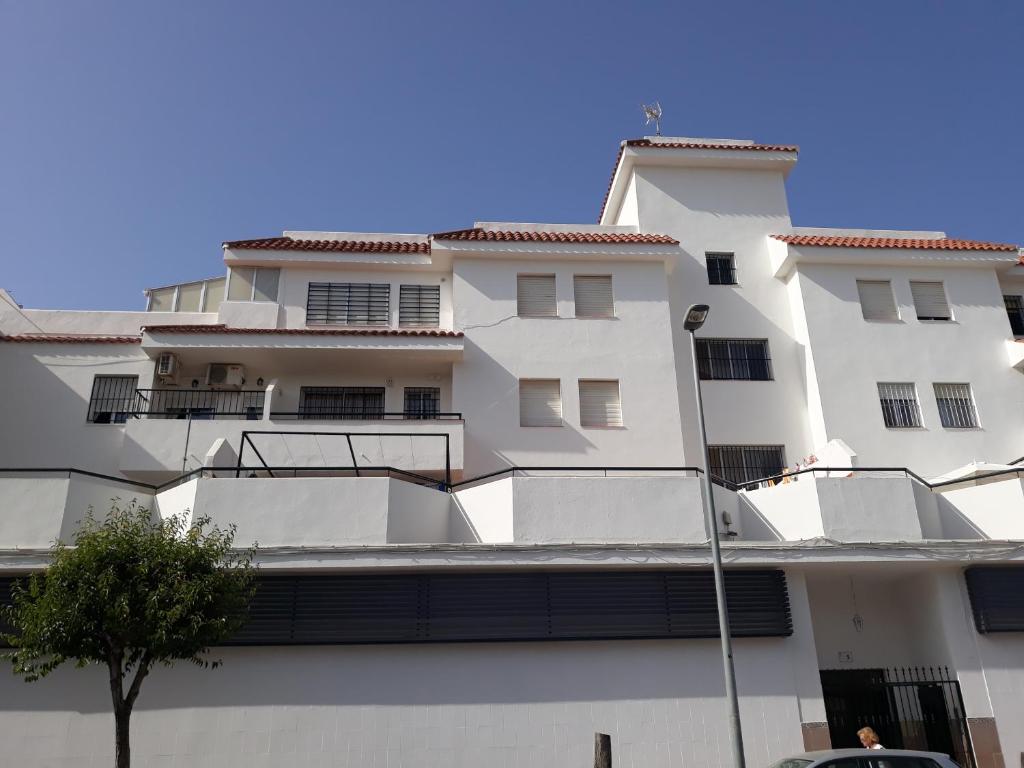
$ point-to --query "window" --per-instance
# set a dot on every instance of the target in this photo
(930, 301)
(721, 268)
(341, 403)
(214, 294)
(540, 403)
(348, 304)
(190, 297)
(419, 305)
(535, 296)
(876, 300)
(956, 406)
(599, 404)
(746, 359)
(113, 399)
(1015, 311)
(899, 406)
(198, 296)
(253, 284)
(740, 464)
(593, 295)
(422, 402)
(162, 299)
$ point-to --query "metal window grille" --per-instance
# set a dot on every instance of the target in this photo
(900, 408)
(930, 300)
(419, 305)
(721, 268)
(593, 295)
(956, 406)
(876, 300)
(997, 597)
(1015, 311)
(535, 296)
(599, 404)
(740, 464)
(113, 399)
(746, 359)
(348, 304)
(422, 402)
(341, 403)
(540, 403)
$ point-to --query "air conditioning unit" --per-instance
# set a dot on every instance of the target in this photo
(225, 376)
(167, 367)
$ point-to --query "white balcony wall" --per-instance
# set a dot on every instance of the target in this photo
(157, 448)
(987, 511)
(38, 509)
(319, 511)
(634, 347)
(843, 509)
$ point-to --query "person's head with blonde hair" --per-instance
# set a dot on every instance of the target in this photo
(869, 738)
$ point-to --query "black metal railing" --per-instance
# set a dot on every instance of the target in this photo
(363, 414)
(199, 404)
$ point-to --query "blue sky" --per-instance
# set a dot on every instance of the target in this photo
(136, 136)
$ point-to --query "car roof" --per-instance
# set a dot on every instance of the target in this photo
(862, 752)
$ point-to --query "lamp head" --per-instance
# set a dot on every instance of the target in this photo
(695, 317)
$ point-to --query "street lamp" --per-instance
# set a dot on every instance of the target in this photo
(695, 317)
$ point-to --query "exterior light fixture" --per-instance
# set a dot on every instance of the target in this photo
(259, 382)
(695, 317)
(195, 383)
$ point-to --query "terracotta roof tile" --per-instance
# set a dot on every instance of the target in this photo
(54, 338)
(648, 144)
(337, 246)
(223, 329)
(938, 244)
(606, 238)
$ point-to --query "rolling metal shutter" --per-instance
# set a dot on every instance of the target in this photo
(348, 304)
(540, 403)
(489, 606)
(876, 300)
(930, 300)
(593, 295)
(419, 305)
(599, 404)
(535, 296)
(997, 597)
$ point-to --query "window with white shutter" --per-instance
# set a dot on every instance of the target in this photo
(599, 404)
(540, 403)
(876, 300)
(419, 305)
(930, 300)
(593, 295)
(535, 295)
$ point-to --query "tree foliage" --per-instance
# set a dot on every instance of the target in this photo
(130, 593)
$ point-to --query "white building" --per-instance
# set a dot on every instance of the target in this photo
(489, 435)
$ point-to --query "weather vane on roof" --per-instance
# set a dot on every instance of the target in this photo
(653, 114)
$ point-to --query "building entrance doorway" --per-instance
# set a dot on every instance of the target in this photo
(909, 708)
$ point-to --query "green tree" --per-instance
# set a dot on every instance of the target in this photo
(131, 593)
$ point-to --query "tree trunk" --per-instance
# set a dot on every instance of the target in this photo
(123, 750)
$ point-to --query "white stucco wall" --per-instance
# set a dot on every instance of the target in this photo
(439, 706)
(501, 348)
(852, 355)
(991, 510)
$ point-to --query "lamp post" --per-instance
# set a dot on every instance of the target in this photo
(695, 317)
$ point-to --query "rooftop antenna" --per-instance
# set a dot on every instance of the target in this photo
(653, 114)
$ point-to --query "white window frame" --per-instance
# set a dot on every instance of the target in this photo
(252, 289)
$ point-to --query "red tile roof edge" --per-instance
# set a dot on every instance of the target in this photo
(648, 144)
(223, 329)
(55, 338)
(337, 246)
(604, 238)
(939, 244)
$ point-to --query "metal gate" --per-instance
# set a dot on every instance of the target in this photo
(909, 708)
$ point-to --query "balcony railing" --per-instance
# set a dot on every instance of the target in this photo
(364, 414)
(198, 404)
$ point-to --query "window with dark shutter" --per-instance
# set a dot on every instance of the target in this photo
(419, 305)
(113, 399)
(721, 268)
(740, 464)
(1015, 311)
(422, 402)
(348, 304)
(745, 359)
(341, 403)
